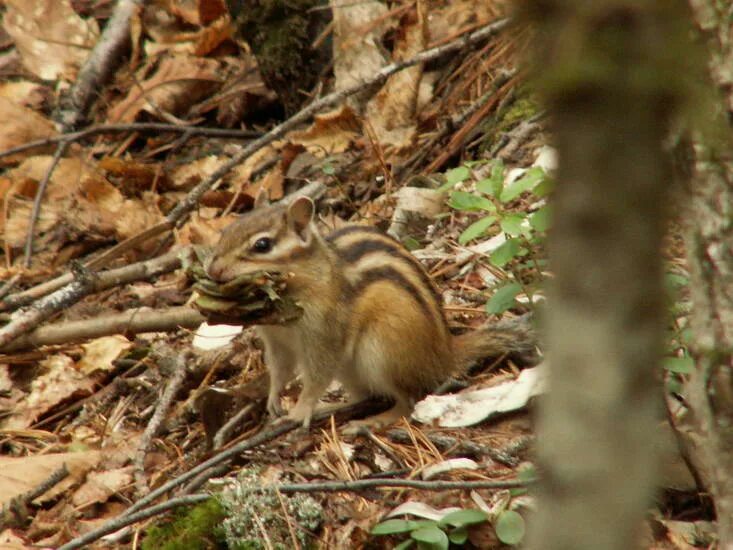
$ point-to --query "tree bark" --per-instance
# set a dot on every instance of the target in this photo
(710, 253)
(609, 78)
(281, 34)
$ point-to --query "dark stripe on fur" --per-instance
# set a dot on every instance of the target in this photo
(353, 252)
(357, 250)
(391, 275)
(349, 229)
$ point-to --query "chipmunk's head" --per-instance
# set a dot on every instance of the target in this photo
(269, 238)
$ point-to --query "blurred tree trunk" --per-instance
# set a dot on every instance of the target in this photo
(281, 34)
(610, 75)
(710, 254)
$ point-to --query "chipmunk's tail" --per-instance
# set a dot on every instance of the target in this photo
(515, 336)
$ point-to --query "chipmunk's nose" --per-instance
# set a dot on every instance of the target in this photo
(215, 269)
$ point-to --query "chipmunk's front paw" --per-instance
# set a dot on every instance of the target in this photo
(274, 408)
(302, 413)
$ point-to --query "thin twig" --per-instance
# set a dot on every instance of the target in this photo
(14, 509)
(315, 487)
(144, 127)
(27, 296)
(178, 213)
(51, 481)
(222, 435)
(288, 521)
(132, 514)
(179, 375)
(123, 521)
(143, 269)
(133, 321)
(9, 285)
(506, 455)
(60, 149)
(377, 483)
(44, 308)
(519, 135)
(75, 291)
(456, 121)
(101, 64)
(263, 437)
(201, 480)
(459, 137)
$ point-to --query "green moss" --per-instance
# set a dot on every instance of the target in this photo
(521, 109)
(280, 33)
(194, 528)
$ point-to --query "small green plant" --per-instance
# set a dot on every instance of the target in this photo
(509, 527)
(430, 534)
(195, 528)
(524, 232)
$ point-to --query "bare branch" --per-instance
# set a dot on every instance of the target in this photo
(316, 487)
(100, 65)
(178, 214)
(142, 127)
(164, 403)
(208, 466)
(132, 321)
(123, 521)
(83, 286)
(37, 203)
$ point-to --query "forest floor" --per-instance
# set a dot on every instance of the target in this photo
(108, 387)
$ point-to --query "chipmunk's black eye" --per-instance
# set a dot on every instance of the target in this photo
(262, 245)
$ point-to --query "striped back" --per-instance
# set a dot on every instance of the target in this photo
(370, 256)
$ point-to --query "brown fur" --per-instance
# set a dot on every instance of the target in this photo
(372, 318)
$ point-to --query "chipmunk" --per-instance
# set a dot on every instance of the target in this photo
(372, 318)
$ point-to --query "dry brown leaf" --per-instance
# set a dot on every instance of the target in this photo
(239, 177)
(10, 541)
(26, 93)
(10, 394)
(53, 41)
(63, 203)
(99, 486)
(198, 12)
(211, 15)
(203, 231)
(133, 176)
(66, 177)
(18, 475)
(79, 201)
(452, 18)
(100, 353)
(16, 226)
(213, 35)
(357, 51)
(21, 125)
(392, 111)
(187, 175)
(95, 208)
(178, 83)
(59, 383)
(274, 183)
(330, 133)
(134, 217)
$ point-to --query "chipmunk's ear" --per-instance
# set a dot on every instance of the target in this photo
(300, 214)
(262, 198)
